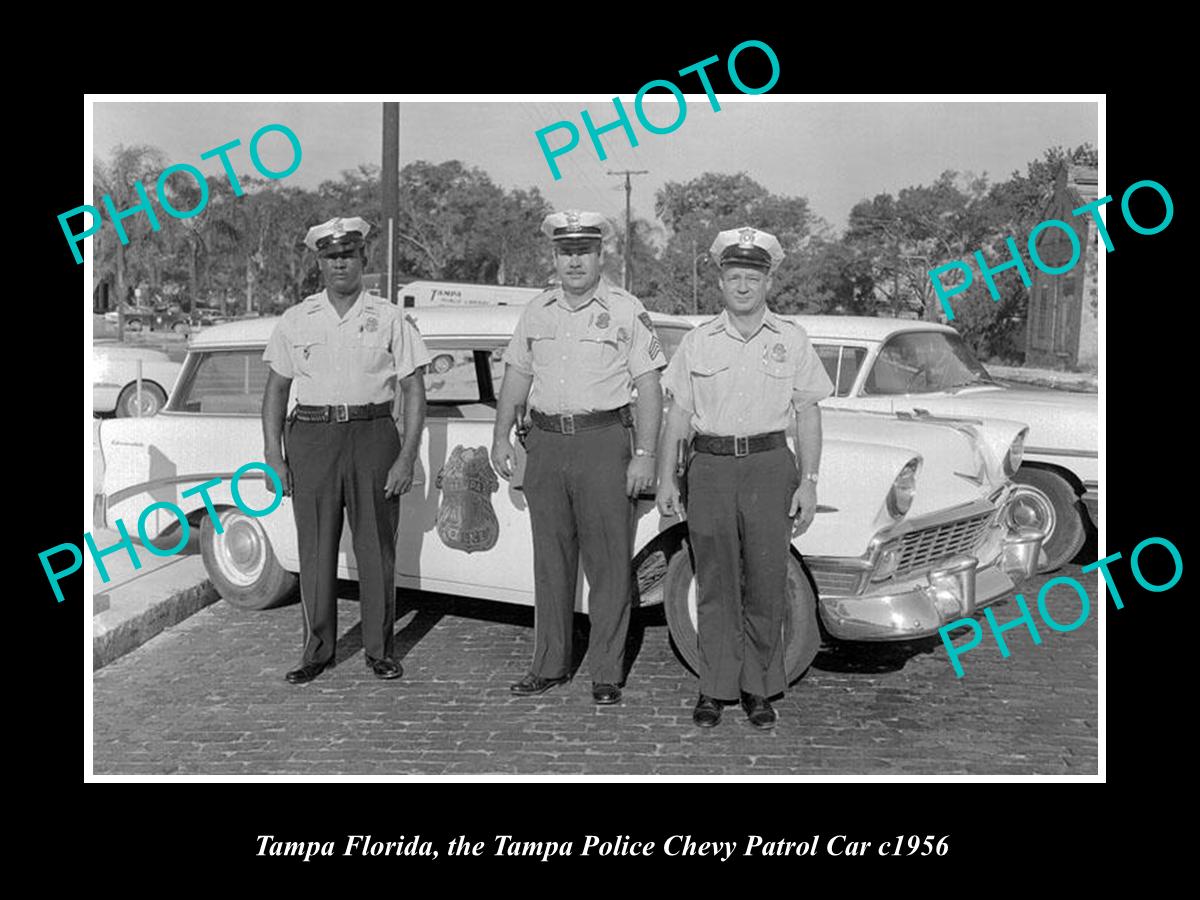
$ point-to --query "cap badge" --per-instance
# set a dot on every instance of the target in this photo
(746, 237)
(573, 221)
(602, 320)
(779, 353)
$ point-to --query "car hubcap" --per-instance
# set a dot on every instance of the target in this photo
(240, 551)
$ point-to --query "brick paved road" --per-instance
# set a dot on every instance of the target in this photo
(208, 697)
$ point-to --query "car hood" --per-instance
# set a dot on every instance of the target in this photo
(1056, 419)
(863, 452)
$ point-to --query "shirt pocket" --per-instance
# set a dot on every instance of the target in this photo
(709, 382)
(541, 347)
(309, 354)
(373, 349)
(777, 381)
(599, 350)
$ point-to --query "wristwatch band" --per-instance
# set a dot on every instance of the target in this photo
(811, 476)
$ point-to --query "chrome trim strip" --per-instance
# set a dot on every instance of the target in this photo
(1052, 451)
(143, 487)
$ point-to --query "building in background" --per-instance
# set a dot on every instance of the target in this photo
(1061, 332)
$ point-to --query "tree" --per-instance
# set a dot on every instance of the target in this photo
(694, 211)
(902, 238)
(117, 177)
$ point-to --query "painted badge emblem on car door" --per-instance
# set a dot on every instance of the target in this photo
(465, 519)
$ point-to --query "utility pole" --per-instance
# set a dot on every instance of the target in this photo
(695, 293)
(626, 273)
(391, 193)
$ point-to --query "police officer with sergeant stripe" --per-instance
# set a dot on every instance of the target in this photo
(347, 352)
(736, 381)
(577, 353)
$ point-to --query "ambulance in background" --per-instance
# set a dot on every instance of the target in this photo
(448, 293)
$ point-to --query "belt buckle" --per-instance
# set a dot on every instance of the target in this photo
(567, 423)
(741, 446)
(341, 412)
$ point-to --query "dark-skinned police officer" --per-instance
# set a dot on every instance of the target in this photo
(577, 353)
(346, 350)
(736, 381)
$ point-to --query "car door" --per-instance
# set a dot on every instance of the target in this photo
(209, 429)
(463, 530)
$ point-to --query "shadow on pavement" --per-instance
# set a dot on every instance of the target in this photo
(872, 656)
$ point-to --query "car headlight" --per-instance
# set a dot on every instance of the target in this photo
(904, 488)
(1012, 459)
(1029, 511)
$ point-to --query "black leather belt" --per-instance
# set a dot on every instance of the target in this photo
(569, 423)
(341, 412)
(738, 446)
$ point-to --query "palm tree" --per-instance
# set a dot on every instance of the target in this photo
(117, 178)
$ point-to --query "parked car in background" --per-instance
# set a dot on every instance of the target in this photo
(919, 523)
(171, 318)
(114, 379)
(136, 317)
(923, 368)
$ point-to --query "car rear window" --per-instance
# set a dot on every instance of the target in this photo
(222, 382)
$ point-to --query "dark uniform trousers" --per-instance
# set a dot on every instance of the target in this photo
(336, 466)
(737, 513)
(575, 484)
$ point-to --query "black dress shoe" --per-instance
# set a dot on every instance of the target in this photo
(308, 672)
(536, 684)
(759, 711)
(707, 712)
(606, 694)
(385, 668)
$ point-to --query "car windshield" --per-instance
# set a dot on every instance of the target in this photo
(925, 362)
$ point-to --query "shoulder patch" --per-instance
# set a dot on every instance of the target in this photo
(654, 348)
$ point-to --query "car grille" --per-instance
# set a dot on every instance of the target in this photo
(926, 546)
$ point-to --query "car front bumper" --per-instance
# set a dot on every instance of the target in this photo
(953, 587)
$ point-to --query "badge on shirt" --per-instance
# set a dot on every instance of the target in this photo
(372, 324)
(602, 320)
(623, 335)
(779, 353)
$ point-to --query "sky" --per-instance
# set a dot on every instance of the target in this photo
(833, 153)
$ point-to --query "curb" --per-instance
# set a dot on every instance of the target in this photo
(129, 634)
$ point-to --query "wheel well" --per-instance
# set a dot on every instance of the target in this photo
(826, 637)
(1065, 474)
(146, 381)
(197, 516)
(650, 564)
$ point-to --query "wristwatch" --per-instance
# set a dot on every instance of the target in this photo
(811, 476)
(642, 451)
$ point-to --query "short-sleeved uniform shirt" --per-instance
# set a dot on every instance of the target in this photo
(355, 360)
(743, 386)
(584, 359)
